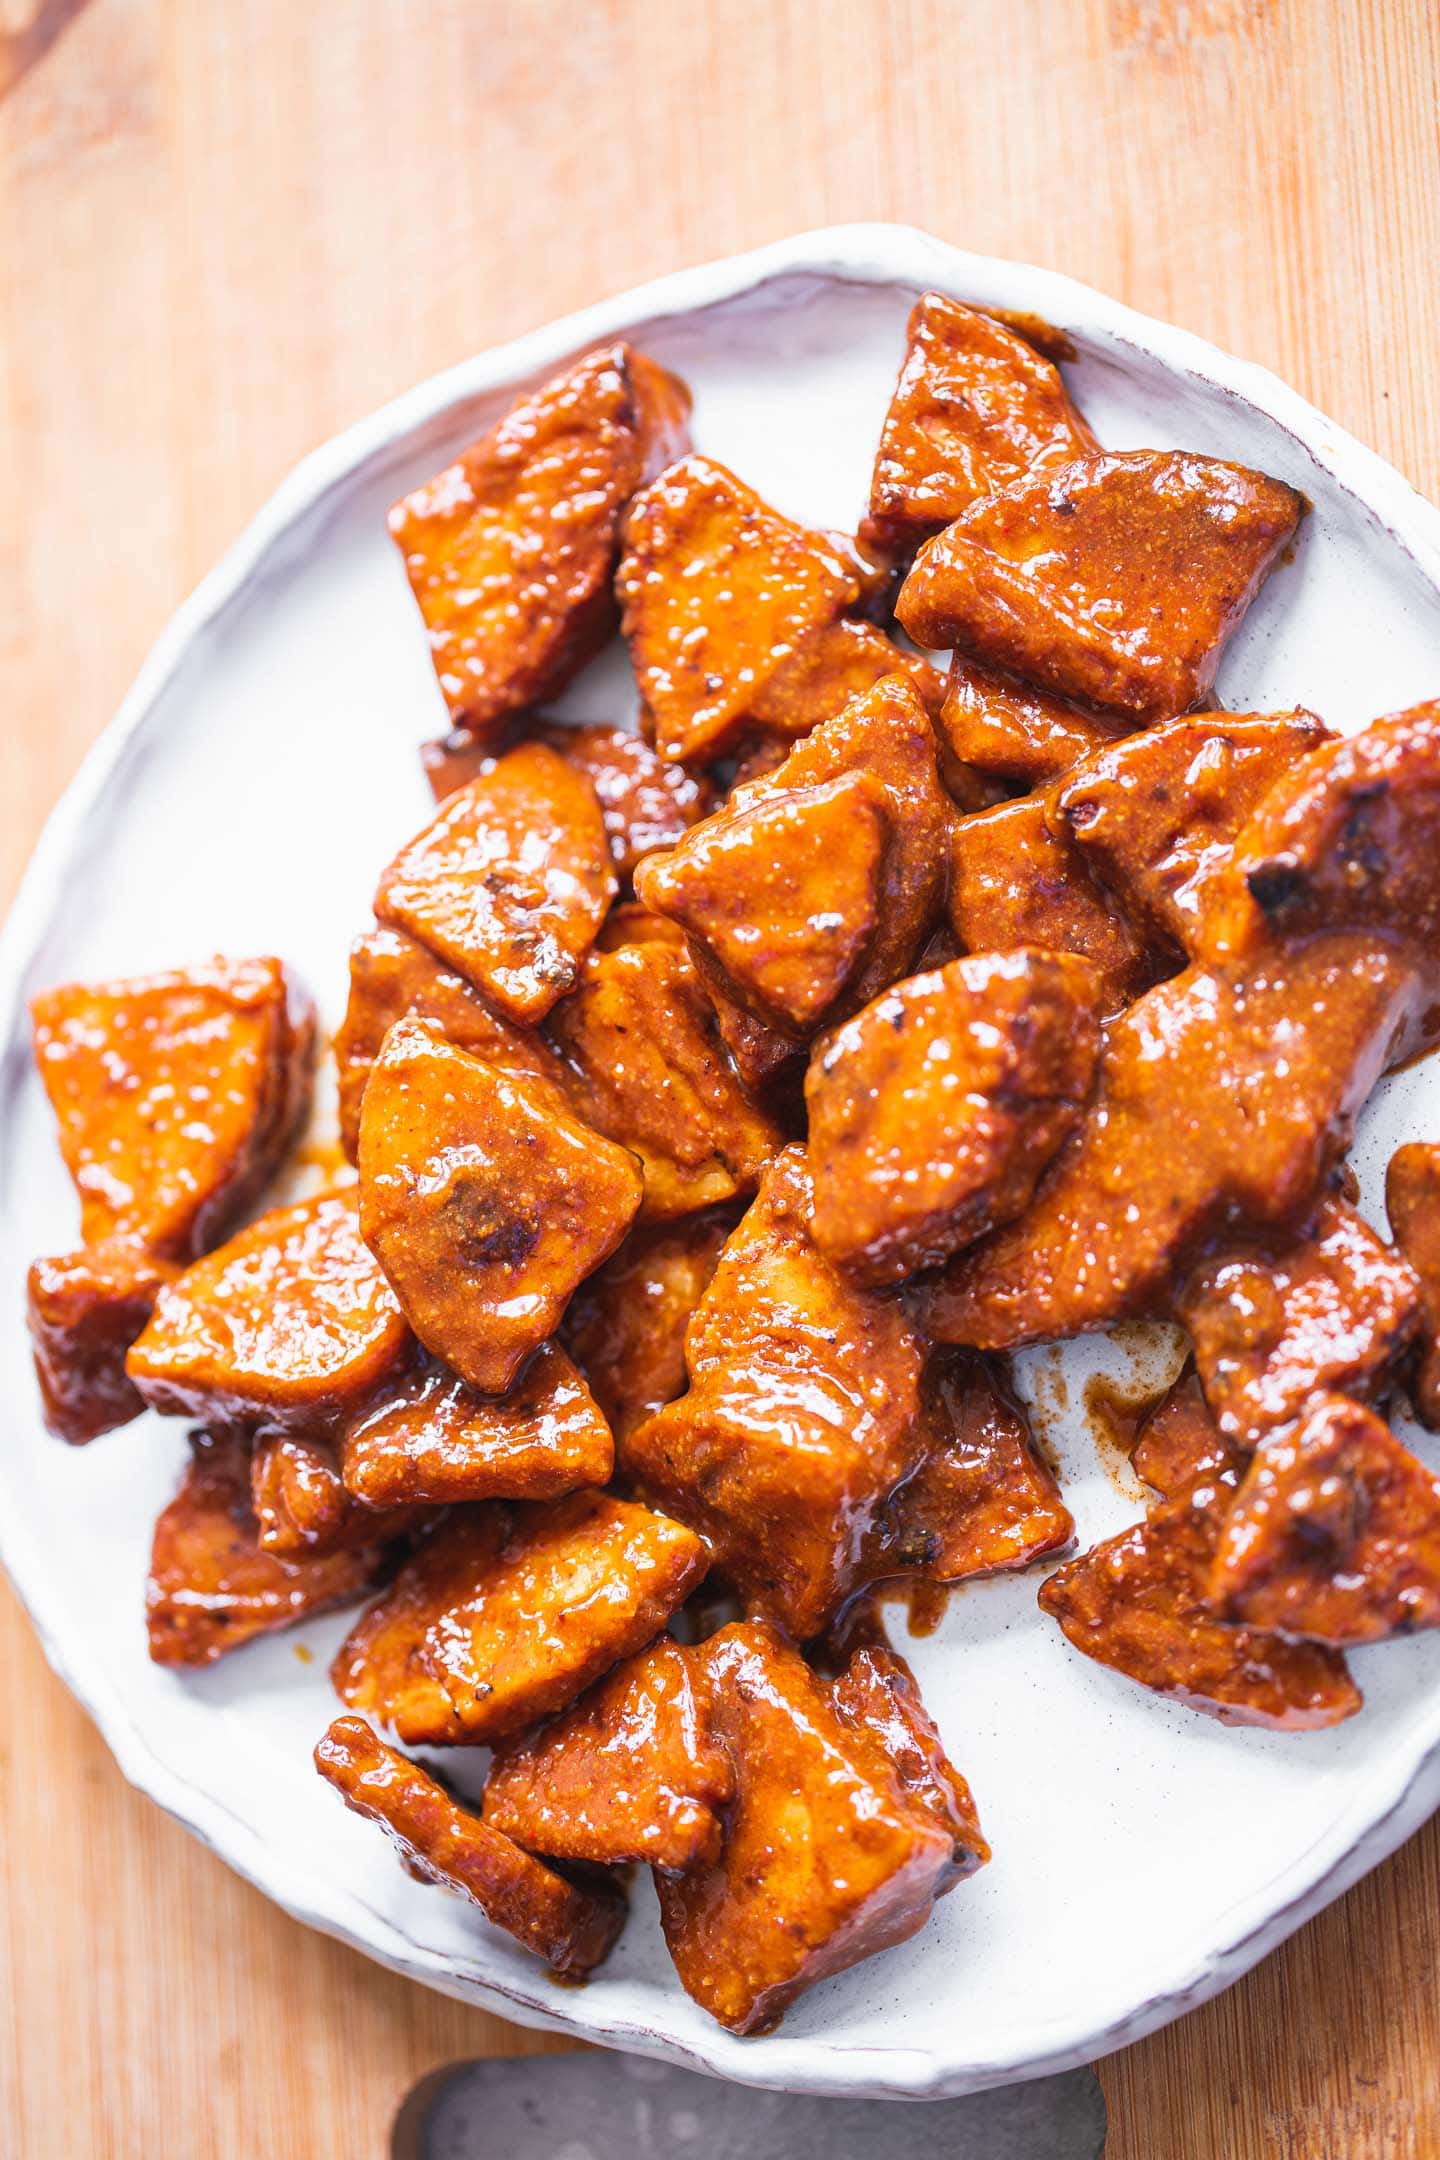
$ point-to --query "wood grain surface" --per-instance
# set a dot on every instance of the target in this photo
(229, 227)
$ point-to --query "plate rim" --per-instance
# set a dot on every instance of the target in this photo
(863, 253)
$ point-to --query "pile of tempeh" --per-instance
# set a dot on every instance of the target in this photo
(726, 1101)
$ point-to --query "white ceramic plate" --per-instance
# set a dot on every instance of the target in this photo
(254, 783)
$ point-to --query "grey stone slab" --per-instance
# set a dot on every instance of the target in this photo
(616, 2107)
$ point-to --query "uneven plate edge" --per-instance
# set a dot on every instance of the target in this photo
(871, 254)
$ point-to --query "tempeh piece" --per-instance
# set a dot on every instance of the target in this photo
(1334, 1310)
(628, 923)
(1020, 734)
(827, 1857)
(981, 1498)
(649, 1069)
(176, 1095)
(509, 882)
(392, 976)
(626, 1325)
(1200, 1126)
(510, 550)
(1113, 581)
(844, 844)
(302, 1506)
(1015, 881)
(573, 1926)
(84, 1310)
(380, 1667)
(1179, 1442)
(1157, 815)
(291, 1324)
(800, 1419)
(934, 1111)
(1412, 1201)
(632, 1772)
(506, 1615)
(976, 405)
(831, 667)
(1348, 838)
(1141, 1604)
(783, 896)
(484, 1201)
(434, 1440)
(718, 593)
(877, 1694)
(646, 803)
(212, 1586)
(1334, 1534)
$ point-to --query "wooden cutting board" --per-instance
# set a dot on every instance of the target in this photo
(228, 229)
